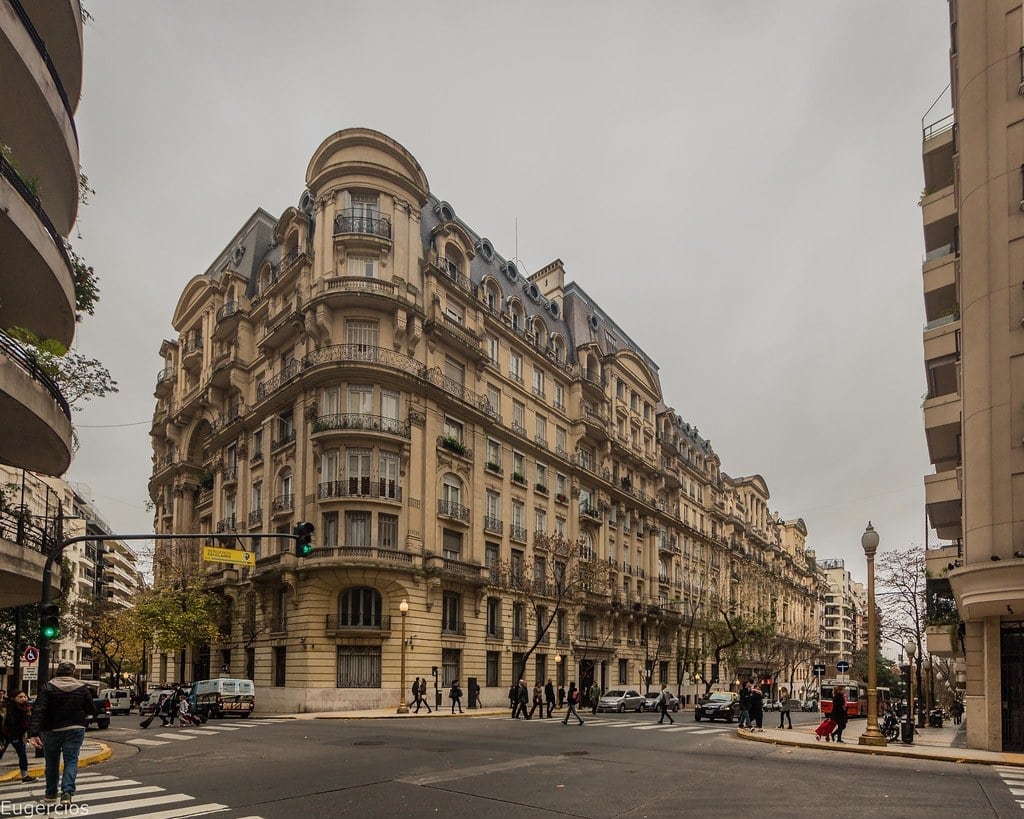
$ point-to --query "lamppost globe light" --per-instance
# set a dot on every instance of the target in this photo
(869, 540)
(558, 659)
(403, 606)
(403, 708)
(911, 649)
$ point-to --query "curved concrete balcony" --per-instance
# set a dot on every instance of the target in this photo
(38, 127)
(37, 290)
(37, 419)
(989, 589)
(59, 25)
(21, 573)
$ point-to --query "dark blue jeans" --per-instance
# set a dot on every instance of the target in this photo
(19, 748)
(55, 745)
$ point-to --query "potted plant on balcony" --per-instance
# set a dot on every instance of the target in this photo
(453, 444)
(561, 498)
(206, 480)
(518, 477)
(494, 467)
(541, 488)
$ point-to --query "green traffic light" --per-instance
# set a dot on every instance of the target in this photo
(305, 549)
(51, 632)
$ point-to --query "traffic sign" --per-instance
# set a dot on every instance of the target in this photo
(819, 669)
(30, 655)
(213, 554)
(30, 672)
(842, 666)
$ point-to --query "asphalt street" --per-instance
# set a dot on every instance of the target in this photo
(614, 765)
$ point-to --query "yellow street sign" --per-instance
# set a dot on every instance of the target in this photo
(212, 554)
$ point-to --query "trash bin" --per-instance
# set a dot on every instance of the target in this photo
(437, 697)
(907, 732)
(935, 719)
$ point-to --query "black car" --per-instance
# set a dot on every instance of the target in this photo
(720, 705)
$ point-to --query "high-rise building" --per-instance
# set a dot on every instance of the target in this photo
(41, 71)
(843, 613)
(369, 364)
(973, 214)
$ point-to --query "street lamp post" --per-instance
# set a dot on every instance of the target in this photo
(908, 727)
(403, 706)
(927, 692)
(871, 736)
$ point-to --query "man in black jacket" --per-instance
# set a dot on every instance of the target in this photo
(58, 727)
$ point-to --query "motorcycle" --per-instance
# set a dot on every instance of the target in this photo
(890, 727)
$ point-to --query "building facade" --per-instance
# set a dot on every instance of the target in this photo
(41, 66)
(845, 612)
(368, 363)
(973, 215)
(46, 504)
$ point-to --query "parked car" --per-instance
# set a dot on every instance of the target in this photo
(775, 705)
(120, 700)
(720, 705)
(621, 699)
(809, 705)
(651, 701)
(101, 712)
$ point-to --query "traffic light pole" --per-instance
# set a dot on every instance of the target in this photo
(56, 551)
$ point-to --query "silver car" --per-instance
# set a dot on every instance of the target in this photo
(621, 699)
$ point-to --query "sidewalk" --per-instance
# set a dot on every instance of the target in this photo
(392, 713)
(93, 751)
(943, 744)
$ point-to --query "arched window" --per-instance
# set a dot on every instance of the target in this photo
(492, 296)
(286, 497)
(558, 345)
(451, 490)
(359, 607)
(517, 316)
(454, 261)
(540, 331)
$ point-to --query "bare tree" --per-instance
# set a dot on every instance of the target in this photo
(900, 591)
(565, 576)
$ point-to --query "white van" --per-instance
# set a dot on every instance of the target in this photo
(120, 700)
(222, 697)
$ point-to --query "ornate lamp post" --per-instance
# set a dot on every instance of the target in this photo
(403, 706)
(872, 736)
(908, 728)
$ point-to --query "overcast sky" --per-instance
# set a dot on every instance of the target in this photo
(736, 184)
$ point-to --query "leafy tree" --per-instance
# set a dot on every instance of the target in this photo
(900, 590)
(114, 634)
(179, 612)
(79, 378)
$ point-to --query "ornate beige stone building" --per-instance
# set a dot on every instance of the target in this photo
(368, 363)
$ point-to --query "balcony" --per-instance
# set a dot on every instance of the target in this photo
(495, 634)
(256, 518)
(363, 227)
(494, 525)
(454, 332)
(451, 271)
(284, 439)
(366, 487)
(345, 623)
(943, 502)
(229, 475)
(942, 429)
(165, 382)
(36, 281)
(282, 505)
(591, 513)
(360, 422)
(40, 128)
(192, 352)
(227, 524)
(452, 511)
(519, 634)
(271, 385)
(227, 319)
(938, 149)
(343, 291)
(37, 420)
(517, 533)
(942, 338)
(450, 628)
(596, 425)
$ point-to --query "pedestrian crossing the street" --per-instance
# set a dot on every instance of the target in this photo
(110, 796)
(168, 736)
(638, 725)
(1013, 778)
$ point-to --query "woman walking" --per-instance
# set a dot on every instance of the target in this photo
(572, 700)
(784, 712)
(839, 713)
(456, 695)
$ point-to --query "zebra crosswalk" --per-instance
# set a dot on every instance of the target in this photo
(166, 736)
(100, 794)
(1013, 778)
(638, 725)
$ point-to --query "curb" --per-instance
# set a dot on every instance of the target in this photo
(875, 751)
(100, 756)
(397, 716)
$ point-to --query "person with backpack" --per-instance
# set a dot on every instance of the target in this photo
(415, 694)
(664, 698)
(422, 694)
(572, 700)
(456, 695)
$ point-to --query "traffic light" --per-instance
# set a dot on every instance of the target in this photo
(49, 621)
(304, 544)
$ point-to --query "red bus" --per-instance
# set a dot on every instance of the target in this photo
(856, 697)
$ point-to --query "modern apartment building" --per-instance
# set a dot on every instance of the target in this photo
(973, 215)
(368, 363)
(41, 71)
(37, 501)
(844, 615)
